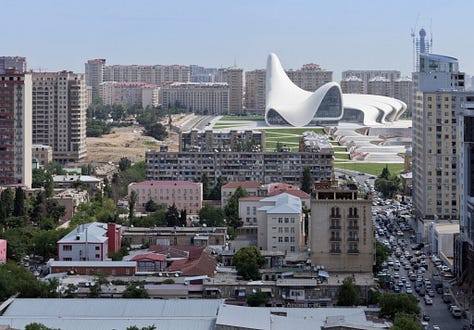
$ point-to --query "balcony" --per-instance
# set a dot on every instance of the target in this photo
(335, 216)
(353, 239)
(353, 216)
(356, 227)
(335, 251)
(334, 239)
(335, 227)
(353, 251)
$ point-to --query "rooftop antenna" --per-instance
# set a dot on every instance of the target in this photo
(413, 37)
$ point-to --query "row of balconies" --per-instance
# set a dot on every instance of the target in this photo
(340, 251)
(340, 227)
(338, 239)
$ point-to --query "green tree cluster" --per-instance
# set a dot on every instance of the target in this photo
(257, 299)
(348, 293)
(38, 326)
(382, 253)
(406, 322)
(307, 180)
(387, 184)
(211, 216)
(392, 304)
(248, 260)
(16, 279)
(231, 210)
(135, 290)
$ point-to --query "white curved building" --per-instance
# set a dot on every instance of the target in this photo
(289, 105)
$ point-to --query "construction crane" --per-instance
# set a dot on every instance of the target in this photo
(413, 38)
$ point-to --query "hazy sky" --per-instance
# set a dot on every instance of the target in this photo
(337, 34)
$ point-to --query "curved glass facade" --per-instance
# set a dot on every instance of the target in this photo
(274, 118)
(331, 105)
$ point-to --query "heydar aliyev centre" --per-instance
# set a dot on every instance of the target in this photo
(289, 105)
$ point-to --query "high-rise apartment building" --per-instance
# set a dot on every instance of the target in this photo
(366, 75)
(202, 98)
(15, 128)
(380, 86)
(202, 74)
(464, 245)
(439, 88)
(352, 85)
(310, 77)
(59, 114)
(12, 62)
(255, 91)
(234, 79)
(95, 75)
(341, 233)
(150, 74)
(403, 90)
(129, 93)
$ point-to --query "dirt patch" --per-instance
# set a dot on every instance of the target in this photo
(126, 142)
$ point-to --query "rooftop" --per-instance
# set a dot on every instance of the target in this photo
(93, 232)
(165, 184)
(245, 185)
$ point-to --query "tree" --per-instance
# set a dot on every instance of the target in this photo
(257, 299)
(131, 206)
(182, 218)
(231, 210)
(135, 290)
(248, 261)
(393, 303)
(385, 173)
(19, 203)
(388, 187)
(216, 190)
(151, 206)
(7, 199)
(38, 326)
(87, 169)
(381, 254)
(124, 164)
(206, 191)
(17, 279)
(307, 180)
(157, 130)
(54, 168)
(172, 216)
(348, 293)
(211, 216)
(39, 178)
(405, 322)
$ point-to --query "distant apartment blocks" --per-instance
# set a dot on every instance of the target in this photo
(12, 62)
(59, 114)
(15, 128)
(222, 140)
(129, 93)
(202, 98)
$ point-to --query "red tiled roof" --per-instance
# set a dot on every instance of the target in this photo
(204, 265)
(244, 184)
(149, 256)
(295, 192)
(178, 251)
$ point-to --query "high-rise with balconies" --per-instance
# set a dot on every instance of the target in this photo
(59, 114)
(15, 128)
(95, 75)
(439, 87)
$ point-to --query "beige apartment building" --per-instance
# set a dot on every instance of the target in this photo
(380, 86)
(234, 79)
(352, 85)
(255, 91)
(94, 72)
(150, 74)
(202, 98)
(341, 233)
(42, 154)
(59, 114)
(310, 77)
(129, 93)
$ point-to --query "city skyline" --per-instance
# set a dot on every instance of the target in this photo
(339, 35)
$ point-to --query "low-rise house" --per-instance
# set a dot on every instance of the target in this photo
(41, 154)
(196, 236)
(90, 183)
(113, 268)
(70, 199)
(150, 262)
(253, 189)
(90, 242)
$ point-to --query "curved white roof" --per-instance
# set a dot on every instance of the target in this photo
(299, 107)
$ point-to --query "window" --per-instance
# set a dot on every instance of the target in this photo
(67, 247)
(97, 256)
(67, 259)
(97, 248)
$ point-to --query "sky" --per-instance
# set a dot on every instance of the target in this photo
(337, 34)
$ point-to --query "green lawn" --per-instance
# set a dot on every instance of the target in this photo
(339, 149)
(296, 131)
(341, 156)
(239, 118)
(371, 168)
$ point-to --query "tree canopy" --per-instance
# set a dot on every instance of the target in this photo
(387, 184)
(248, 261)
(348, 293)
(307, 180)
(231, 210)
(405, 322)
(211, 216)
(392, 303)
